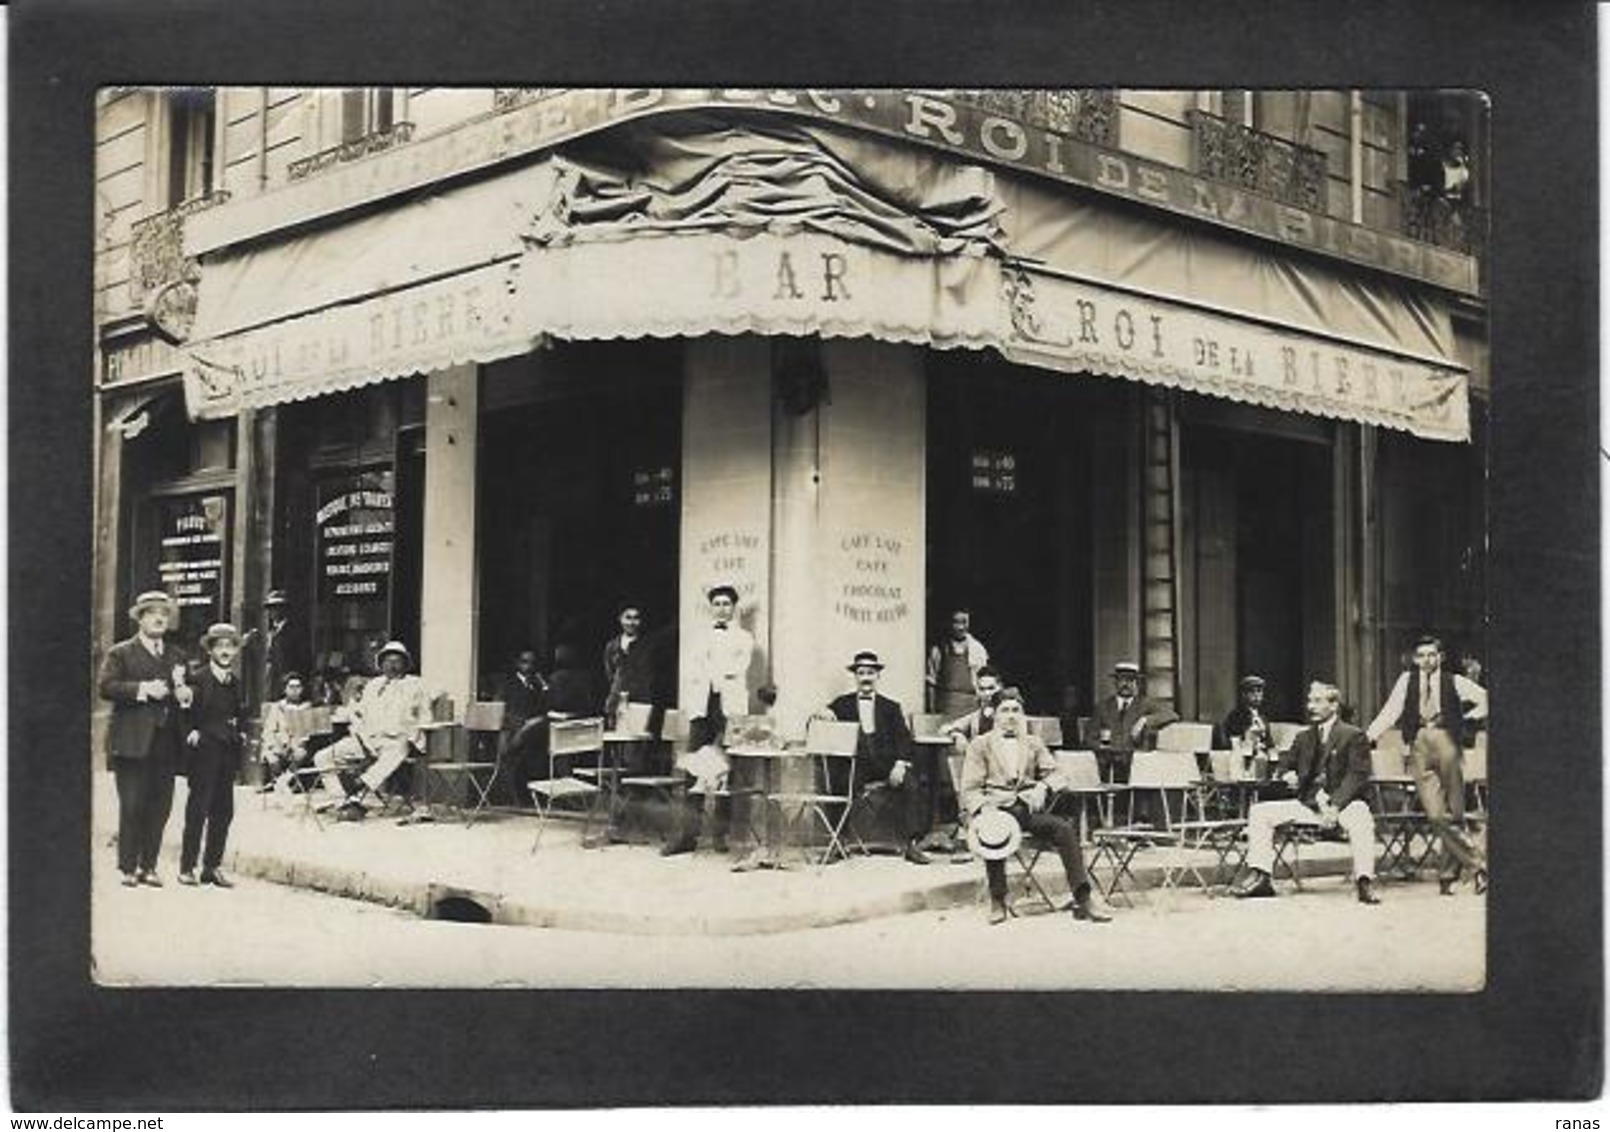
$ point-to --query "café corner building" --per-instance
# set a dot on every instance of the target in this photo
(478, 375)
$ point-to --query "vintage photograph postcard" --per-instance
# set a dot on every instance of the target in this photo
(668, 537)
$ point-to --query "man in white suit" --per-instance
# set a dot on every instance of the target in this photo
(715, 688)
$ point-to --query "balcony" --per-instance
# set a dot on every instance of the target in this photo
(376, 142)
(1258, 162)
(1448, 222)
(512, 97)
(1090, 115)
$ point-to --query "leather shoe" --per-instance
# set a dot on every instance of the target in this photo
(679, 846)
(350, 811)
(1366, 891)
(998, 911)
(1256, 885)
(1445, 886)
(150, 878)
(1481, 881)
(217, 880)
(188, 879)
(130, 880)
(1093, 907)
(915, 855)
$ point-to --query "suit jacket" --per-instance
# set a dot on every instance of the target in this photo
(138, 727)
(890, 741)
(1340, 766)
(1121, 724)
(215, 712)
(521, 702)
(1237, 724)
(629, 671)
(993, 775)
(719, 659)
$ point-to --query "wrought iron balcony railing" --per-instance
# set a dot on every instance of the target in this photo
(509, 97)
(1448, 222)
(376, 142)
(1259, 162)
(1089, 114)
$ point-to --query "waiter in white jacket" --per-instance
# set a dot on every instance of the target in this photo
(714, 688)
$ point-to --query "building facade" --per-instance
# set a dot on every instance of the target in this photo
(1192, 378)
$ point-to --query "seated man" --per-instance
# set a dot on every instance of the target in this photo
(883, 751)
(386, 722)
(285, 735)
(1009, 769)
(524, 742)
(963, 731)
(1246, 725)
(1331, 776)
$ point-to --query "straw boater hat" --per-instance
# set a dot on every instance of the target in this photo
(397, 647)
(218, 632)
(993, 835)
(1126, 668)
(866, 658)
(273, 598)
(716, 591)
(149, 599)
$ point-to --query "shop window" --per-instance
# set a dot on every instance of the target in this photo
(188, 539)
(192, 118)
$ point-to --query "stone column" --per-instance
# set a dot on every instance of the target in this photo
(449, 612)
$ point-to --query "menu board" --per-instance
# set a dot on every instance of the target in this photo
(355, 536)
(193, 533)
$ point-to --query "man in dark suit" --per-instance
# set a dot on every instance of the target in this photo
(883, 752)
(145, 681)
(212, 757)
(524, 694)
(1246, 722)
(1126, 722)
(1330, 780)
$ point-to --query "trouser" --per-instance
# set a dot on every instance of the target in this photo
(1114, 764)
(144, 800)
(1061, 832)
(1439, 778)
(521, 759)
(907, 804)
(1354, 819)
(211, 806)
(386, 754)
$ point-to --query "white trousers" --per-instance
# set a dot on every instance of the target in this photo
(1355, 820)
(347, 752)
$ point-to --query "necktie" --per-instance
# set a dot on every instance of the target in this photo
(1428, 707)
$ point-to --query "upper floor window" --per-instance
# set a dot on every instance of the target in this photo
(192, 121)
(364, 111)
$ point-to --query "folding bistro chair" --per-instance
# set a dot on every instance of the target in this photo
(1082, 785)
(572, 740)
(1402, 830)
(320, 724)
(666, 784)
(1475, 763)
(1047, 729)
(830, 749)
(483, 723)
(1159, 771)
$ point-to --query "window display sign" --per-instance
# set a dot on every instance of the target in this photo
(193, 533)
(653, 487)
(995, 472)
(354, 519)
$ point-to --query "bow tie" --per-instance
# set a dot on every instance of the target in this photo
(866, 695)
(722, 625)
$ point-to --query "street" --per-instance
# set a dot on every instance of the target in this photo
(1319, 940)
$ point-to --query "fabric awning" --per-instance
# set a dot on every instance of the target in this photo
(702, 224)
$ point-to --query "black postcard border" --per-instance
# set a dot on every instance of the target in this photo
(1535, 1032)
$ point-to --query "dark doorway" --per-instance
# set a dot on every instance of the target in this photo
(1259, 575)
(1009, 482)
(579, 500)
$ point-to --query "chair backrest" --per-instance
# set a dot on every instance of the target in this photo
(1227, 766)
(320, 720)
(483, 715)
(1079, 769)
(674, 729)
(831, 737)
(1187, 737)
(1046, 728)
(1387, 763)
(633, 718)
(1162, 770)
(927, 724)
(1283, 735)
(1086, 728)
(575, 736)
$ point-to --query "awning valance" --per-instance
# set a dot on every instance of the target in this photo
(794, 230)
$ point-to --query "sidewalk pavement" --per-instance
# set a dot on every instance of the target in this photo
(626, 888)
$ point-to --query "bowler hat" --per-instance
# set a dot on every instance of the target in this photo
(149, 599)
(716, 591)
(218, 632)
(866, 658)
(993, 835)
(397, 647)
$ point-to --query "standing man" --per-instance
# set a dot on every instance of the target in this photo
(213, 742)
(1434, 719)
(628, 665)
(1126, 721)
(1010, 770)
(953, 667)
(1331, 778)
(883, 752)
(277, 644)
(145, 681)
(387, 722)
(714, 689)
